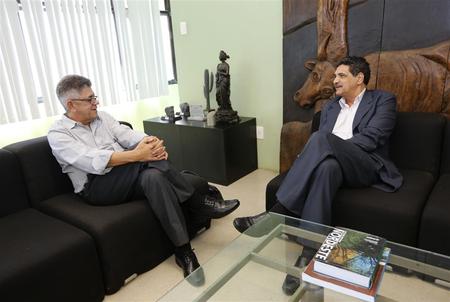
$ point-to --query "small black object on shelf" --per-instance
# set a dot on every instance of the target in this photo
(170, 115)
(185, 110)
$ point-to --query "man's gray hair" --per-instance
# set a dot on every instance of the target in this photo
(70, 86)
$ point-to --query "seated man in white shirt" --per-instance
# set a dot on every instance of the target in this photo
(109, 163)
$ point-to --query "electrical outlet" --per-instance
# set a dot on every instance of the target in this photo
(259, 132)
(183, 28)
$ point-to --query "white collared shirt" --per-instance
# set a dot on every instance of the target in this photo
(344, 123)
(86, 149)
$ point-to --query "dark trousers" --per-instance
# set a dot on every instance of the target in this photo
(159, 183)
(326, 163)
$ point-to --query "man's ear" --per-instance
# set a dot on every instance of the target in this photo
(69, 106)
(360, 77)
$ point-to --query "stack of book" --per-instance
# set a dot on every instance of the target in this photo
(349, 262)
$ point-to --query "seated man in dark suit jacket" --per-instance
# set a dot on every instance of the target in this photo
(350, 148)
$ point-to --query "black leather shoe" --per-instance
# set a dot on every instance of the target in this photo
(243, 223)
(215, 208)
(191, 268)
(292, 283)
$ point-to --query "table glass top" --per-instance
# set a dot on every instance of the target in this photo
(253, 267)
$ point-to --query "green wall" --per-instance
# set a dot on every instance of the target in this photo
(250, 31)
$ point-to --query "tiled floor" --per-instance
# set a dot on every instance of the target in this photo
(250, 190)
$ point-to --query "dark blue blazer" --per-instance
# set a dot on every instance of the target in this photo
(373, 124)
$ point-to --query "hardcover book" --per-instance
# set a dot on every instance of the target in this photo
(350, 256)
(366, 294)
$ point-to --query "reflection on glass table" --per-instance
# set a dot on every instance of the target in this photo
(253, 266)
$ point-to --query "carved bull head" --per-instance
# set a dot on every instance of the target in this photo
(331, 48)
(318, 85)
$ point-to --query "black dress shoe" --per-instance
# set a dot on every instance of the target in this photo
(292, 283)
(191, 268)
(216, 208)
(243, 223)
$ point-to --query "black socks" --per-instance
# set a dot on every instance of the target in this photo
(280, 209)
(179, 250)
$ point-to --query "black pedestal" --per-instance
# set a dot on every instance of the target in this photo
(221, 154)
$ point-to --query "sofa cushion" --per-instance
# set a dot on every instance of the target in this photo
(42, 173)
(12, 189)
(416, 142)
(395, 216)
(44, 259)
(435, 223)
(128, 236)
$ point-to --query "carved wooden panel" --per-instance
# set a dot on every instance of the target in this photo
(417, 77)
(407, 43)
(301, 45)
(297, 13)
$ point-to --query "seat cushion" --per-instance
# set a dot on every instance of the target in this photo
(44, 259)
(128, 236)
(435, 224)
(395, 216)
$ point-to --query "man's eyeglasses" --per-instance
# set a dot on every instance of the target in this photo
(92, 99)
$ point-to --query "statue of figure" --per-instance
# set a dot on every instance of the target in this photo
(223, 82)
(225, 112)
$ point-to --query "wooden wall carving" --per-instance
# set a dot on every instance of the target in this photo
(419, 77)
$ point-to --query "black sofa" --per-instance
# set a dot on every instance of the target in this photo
(418, 214)
(42, 258)
(118, 242)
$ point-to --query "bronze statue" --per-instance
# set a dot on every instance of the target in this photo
(225, 112)
(223, 82)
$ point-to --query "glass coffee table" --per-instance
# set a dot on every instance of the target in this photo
(254, 265)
